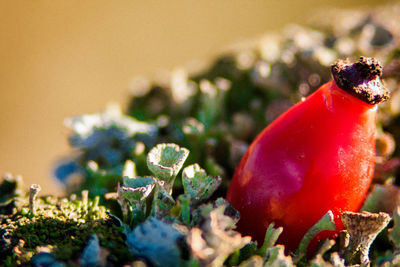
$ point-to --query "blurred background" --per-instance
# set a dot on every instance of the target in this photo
(63, 58)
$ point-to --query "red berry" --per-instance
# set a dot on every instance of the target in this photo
(317, 156)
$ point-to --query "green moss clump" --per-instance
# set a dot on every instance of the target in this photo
(60, 226)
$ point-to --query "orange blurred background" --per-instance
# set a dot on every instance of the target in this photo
(62, 58)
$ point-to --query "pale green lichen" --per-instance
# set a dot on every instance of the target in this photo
(165, 161)
(271, 236)
(276, 257)
(185, 208)
(157, 242)
(33, 192)
(215, 240)
(334, 259)
(197, 184)
(163, 202)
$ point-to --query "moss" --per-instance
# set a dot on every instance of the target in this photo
(61, 226)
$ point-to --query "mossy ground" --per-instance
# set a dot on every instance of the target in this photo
(61, 226)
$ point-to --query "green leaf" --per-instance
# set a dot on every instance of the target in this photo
(165, 161)
(327, 222)
(198, 184)
(157, 242)
(271, 236)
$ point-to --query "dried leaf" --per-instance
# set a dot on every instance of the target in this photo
(363, 228)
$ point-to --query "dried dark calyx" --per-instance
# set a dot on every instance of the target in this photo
(361, 79)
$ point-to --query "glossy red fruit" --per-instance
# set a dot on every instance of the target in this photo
(317, 156)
